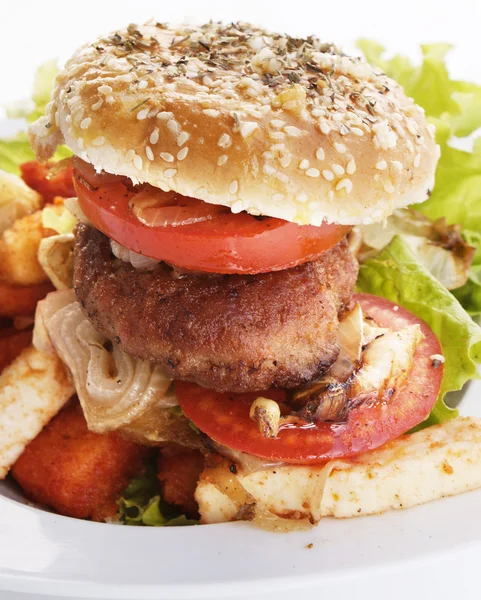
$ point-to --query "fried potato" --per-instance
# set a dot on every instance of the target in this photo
(12, 342)
(178, 470)
(16, 200)
(32, 391)
(442, 460)
(20, 301)
(18, 251)
(75, 471)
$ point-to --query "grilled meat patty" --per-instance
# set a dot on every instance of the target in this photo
(231, 333)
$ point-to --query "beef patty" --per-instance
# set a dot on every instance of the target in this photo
(231, 333)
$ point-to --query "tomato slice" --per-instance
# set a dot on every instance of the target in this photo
(195, 235)
(225, 417)
(49, 179)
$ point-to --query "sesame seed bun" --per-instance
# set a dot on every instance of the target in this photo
(234, 115)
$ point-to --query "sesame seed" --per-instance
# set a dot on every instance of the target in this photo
(143, 84)
(419, 140)
(247, 128)
(417, 160)
(142, 114)
(224, 141)
(410, 146)
(268, 170)
(149, 153)
(337, 169)
(222, 160)
(292, 131)
(277, 135)
(104, 89)
(233, 187)
(85, 123)
(277, 123)
(397, 165)
(351, 167)
(282, 177)
(317, 112)
(388, 187)
(357, 131)
(138, 162)
(181, 154)
(80, 143)
(277, 147)
(431, 130)
(290, 105)
(320, 154)
(313, 172)
(173, 126)
(154, 137)
(211, 112)
(129, 155)
(341, 148)
(182, 138)
(98, 104)
(278, 197)
(237, 207)
(98, 141)
(381, 165)
(324, 127)
(110, 99)
(302, 197)
(170, 172)
(328, 175)
(304, 164)
(166, 156)
(411, 126)
(344, 184)
(164, 115)
(285, 160)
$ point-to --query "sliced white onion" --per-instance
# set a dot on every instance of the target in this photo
(138, 261)
(113, 388)
(55, 254)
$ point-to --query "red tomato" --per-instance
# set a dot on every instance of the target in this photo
(49, 180)
(225, 417)
(195, 235)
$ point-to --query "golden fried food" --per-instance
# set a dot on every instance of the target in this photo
(20, 300)
(32, 391)
(76, 472)
(12, 342)
(178, 470)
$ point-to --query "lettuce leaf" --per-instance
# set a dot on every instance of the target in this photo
(16, 150)
(395, 274)
(141, 504)
(454, 107)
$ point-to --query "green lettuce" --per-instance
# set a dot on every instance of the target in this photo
(396, 274)
(141, 504)
(16, 150)
(454, 108)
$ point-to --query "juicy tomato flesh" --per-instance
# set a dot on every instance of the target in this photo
(225, 417)
(49, 179)
(195, 235)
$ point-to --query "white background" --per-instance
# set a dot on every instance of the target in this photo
(34, 31)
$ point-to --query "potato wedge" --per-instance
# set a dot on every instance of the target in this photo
(32, 391)
(18, 251)
(16, 200)
(442, 460)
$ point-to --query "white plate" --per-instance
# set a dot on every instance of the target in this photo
(46, 553)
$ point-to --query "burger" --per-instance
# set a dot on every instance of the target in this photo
(222, 174)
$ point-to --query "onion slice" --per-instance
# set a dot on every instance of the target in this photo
(113, 388)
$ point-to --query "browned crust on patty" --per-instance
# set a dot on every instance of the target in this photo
(232, 333)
